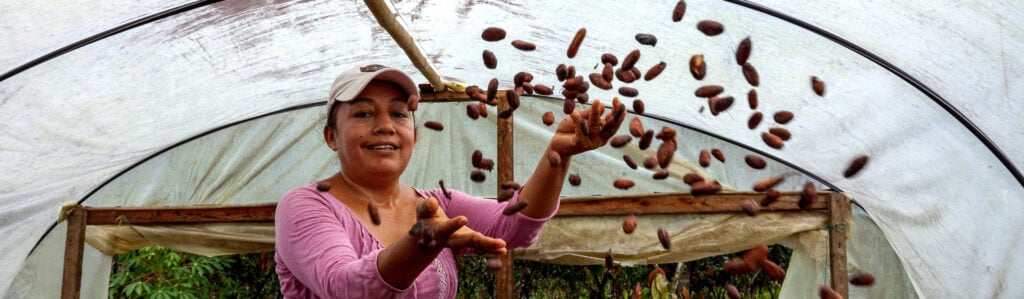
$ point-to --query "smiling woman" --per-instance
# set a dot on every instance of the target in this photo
(362, 234)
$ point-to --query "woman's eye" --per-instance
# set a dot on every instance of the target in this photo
(399, 114)
(362, 114)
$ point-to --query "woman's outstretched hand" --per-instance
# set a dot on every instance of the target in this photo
(435, 229)
(585, 130)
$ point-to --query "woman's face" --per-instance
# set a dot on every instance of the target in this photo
(375, 133)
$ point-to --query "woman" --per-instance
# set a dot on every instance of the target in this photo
(362, 234)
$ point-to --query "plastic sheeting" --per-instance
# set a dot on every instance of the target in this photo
(936, 193)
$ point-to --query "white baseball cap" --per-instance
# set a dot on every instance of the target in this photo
(352, 82)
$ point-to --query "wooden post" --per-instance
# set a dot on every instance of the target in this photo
(837, 207)
(74, 244)
(506, 164)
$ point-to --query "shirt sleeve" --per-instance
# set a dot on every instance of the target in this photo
(316, 243)
(486, 217)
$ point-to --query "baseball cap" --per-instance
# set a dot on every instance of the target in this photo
(352, 82)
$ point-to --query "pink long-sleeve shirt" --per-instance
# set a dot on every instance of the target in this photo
(324, 251)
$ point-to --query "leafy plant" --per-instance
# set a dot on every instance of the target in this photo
(157, 272)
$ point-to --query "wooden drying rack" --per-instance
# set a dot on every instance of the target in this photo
(834, 203)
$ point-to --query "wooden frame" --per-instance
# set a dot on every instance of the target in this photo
(836, 204)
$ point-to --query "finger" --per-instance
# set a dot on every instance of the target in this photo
(449, 227)
(614, 119)
(596, 110)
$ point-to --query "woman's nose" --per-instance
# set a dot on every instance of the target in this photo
(384, 125)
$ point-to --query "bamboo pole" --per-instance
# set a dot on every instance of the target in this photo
(389, 21)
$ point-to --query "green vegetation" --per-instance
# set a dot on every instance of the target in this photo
(158, 272)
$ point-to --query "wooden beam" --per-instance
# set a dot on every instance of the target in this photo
(506, 165)
(430, 96)
(681, 203)
(74, 245)
(181, 215)
(838, 205)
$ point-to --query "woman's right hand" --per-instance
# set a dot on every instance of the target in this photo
(434, 229)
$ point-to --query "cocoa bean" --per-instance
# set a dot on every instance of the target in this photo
(679, 11)
(629, 224)
(718, 154)
(524, 45)
(620, 140)
(755, 119)
(768, 183)
(514, 207)
(527, 88)
(569, 105)
(473, 111)
(665, 153)
(862, 278)
(651, 162)
(487, 164)
(492, 89)
(584, 127)
(772, 270)
(855, 166)
(323, 186)
(628, 91)
(755, 162)
(623, 184)
(483, 109)
(708, 91)
(493, 34)
(521, 78)
(506, 195)
(750, 207)
(660, 174)
(490, 61)
(447, 194)
(664, 238)
(575, 179)
(477, 176)
(783, 117)
(645, 140)
(752, 99)
(570, 72)
(737, 266)
(371, 209)
(781, 132)
(826, 292)
(722, 104)
(818, 86)
(732, 292)
(629, 161)
(770, 196)
(636, 72)
(755, 255)
(477, 158)
(691, 178)
(548, 118)
(697, 67)
(433, 125)
(704, 158)
(772, 140)
(609, 58)
(600, 82)
(667, 134)
(473, 90)
(636, 128)
(646, 39)
(583, 98)
(807, 196)
(504, 114)
(750, 73)
(710, 28)
(630, 60)
(638, 107)
(542, 89)
(561, 72)
(655, 71)
(625, 75)
(743, 51)
(608, 72)
(576, 41)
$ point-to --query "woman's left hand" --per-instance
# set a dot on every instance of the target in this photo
(585, 130)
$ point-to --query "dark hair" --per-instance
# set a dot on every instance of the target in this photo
(331, 113)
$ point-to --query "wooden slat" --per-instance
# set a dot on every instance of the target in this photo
(179, 215)
(838, 205)
(74, 245)
(681, 203)
(506, 164)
